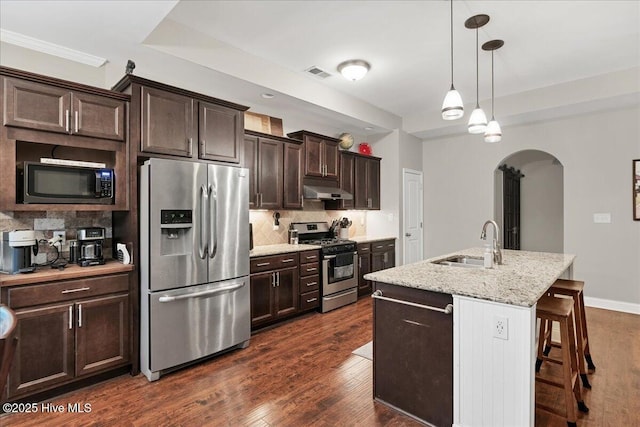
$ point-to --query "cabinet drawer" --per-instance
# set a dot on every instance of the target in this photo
(26, 296)
(275, 262)
(310, 283)
(364, 248)
(309, 256)
(383, 245)
(309, 269)
(309, 300)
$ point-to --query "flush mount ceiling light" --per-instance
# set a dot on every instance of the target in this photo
(452, 106)
(354, 69)
(493, 133)
(478, 120)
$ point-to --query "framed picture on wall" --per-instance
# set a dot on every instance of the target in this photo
(636, 190)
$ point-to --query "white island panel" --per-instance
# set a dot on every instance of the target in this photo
(493, 378)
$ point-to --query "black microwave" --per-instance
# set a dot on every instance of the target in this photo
(54, 183)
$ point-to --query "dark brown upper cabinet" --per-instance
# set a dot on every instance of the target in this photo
(44, 107)
(346, 177)
(47, 117)
(263, 158)
(360, 176)
(275, 176)
(321, 154)
(178, 122)
(218, 126)
(293, 159)
(366, 194)
(168, 123)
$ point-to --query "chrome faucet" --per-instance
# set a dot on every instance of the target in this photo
(497, 254)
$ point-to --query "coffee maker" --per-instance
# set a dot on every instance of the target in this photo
(89, 248)
(16, 248)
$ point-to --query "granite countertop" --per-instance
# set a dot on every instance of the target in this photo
(47, 274)
(367, 239)
(521, 280)
(282, 248)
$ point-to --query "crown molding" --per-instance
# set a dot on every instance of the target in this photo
(50, 48)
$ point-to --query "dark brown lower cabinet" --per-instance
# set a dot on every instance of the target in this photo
(364, 267)
(67, 330)
(413, 353)
(274, 295)
(383, 255)
(372, 257)
(57, 343)
(102, 334)
(45, 353)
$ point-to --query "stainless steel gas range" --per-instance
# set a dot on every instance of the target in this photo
(339, 272)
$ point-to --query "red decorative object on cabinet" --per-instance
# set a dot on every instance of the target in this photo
(364, 148)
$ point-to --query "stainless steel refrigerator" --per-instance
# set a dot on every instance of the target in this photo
(194, 254)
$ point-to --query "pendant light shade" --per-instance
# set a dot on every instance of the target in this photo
(493, 132)
(452, 106)
(478, 120)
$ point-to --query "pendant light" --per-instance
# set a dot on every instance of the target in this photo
(452, 106)
(478, 120)
(493, 133)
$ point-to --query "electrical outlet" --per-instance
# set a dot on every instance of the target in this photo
(501, 327)
(62, 234)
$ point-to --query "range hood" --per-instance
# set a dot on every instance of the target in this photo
(325, 193)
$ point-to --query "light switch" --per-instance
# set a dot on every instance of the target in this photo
(602, 218)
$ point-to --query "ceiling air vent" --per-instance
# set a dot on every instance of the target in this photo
(321, 74)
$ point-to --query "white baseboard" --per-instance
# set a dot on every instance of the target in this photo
(608, 304)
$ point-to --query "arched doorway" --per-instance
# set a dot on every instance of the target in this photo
(540, 202)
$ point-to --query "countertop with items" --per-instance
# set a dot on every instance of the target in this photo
(367, 239)
(72, 271)
(284, 248)
(521, 280)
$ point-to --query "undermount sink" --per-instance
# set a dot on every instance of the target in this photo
(461, 261)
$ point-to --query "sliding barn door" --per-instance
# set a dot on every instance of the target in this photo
(511, 206)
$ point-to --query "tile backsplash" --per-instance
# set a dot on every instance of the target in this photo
(45, 223)
(264, 234)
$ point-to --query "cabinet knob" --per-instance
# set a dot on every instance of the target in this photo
(407, 234)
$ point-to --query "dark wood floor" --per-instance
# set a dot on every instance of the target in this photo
(303, 374)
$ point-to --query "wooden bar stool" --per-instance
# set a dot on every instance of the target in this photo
(550, 309)
(574, 289)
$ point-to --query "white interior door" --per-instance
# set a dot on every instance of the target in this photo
(412, 211)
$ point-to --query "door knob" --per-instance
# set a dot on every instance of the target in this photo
(407, 234)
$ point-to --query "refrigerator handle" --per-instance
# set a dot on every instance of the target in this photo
(202, 245)
(213, 219)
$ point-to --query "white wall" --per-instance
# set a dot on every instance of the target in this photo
(386, 221)
(36, 62)
(596, 150)
(410, 158)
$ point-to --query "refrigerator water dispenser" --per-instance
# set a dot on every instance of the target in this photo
(176, 229)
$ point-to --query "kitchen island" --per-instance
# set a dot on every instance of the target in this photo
(488, 343)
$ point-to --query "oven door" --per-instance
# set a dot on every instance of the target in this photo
(339, 272)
